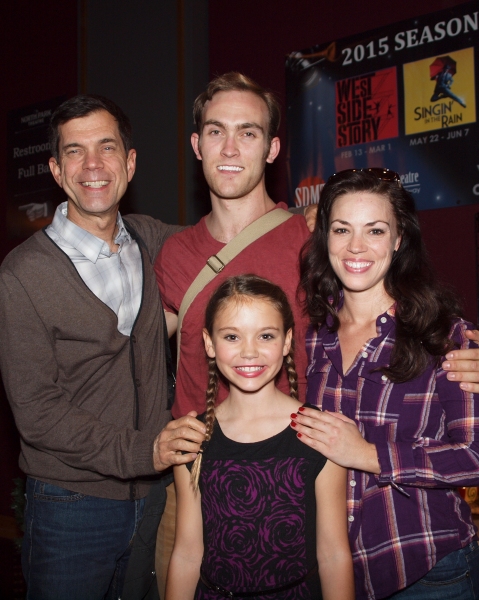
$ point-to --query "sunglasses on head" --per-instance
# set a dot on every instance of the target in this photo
(380, 173)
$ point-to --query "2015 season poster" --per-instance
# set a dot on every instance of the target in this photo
(402, 97)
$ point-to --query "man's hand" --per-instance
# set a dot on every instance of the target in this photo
(337, 438)
(310, 214)
(182, 435)
(463, 365)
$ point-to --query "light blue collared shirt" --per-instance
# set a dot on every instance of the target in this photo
(116, 278)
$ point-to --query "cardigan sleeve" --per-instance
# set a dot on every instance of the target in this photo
(47, 419)
(452, 457)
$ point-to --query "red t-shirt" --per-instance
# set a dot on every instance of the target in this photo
(274, 256)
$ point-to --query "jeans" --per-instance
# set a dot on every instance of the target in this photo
(455, 577)
(76, 547)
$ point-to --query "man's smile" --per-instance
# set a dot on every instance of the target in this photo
(230, 168)
(94, 184)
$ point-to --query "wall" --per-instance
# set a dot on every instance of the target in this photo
(130, 61)
(129, 53)
(40, 63)
(136, 61)
(256, 40)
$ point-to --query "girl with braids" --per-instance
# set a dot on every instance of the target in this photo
(381, 327)
(261, 515)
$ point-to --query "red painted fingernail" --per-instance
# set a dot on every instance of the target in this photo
(301, 408)
(299, 435)
(293, 415)
(293, 424)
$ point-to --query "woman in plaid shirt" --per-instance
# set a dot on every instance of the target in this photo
(381, 324)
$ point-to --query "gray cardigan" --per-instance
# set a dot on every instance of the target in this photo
(88, 401)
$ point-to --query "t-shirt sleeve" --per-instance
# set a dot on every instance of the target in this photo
(165, 269)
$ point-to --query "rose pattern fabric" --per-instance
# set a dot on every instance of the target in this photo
(254, 525)
(259, 516)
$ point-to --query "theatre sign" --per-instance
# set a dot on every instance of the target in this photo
(32, 194)
(402, 97)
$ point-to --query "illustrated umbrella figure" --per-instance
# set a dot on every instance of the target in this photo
(442, 70)
(438, 65)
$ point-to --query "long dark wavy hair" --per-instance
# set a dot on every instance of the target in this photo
(240, 289)
(424, 308)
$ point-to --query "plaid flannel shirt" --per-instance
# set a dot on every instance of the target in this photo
(426, 431)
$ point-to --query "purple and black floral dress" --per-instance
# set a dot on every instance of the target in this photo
(259, 519)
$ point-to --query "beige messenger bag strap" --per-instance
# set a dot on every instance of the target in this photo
(216, 263)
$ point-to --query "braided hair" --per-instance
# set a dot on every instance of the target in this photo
(242, 286)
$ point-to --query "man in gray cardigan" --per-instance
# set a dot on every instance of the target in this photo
(82, 356)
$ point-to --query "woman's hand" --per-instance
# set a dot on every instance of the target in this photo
(311, 214)
(336, 437)
(463, 365)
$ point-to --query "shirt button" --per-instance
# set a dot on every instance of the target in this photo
(138, 383)
(350, 518)
(364, 354)
(352, 483)
(383, 319)
(384, 378)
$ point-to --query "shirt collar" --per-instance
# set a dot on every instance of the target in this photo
(374, 356)
(83, 241)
